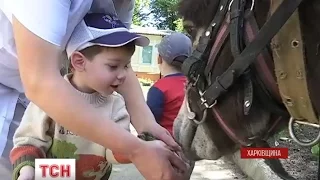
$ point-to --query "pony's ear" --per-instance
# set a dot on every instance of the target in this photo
(199, 12)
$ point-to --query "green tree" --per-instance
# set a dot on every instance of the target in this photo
(165, 14)
(179, 26)
(138, 14)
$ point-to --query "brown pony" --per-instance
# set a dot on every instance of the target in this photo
(265, 114)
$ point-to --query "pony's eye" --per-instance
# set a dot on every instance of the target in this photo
(189, 30)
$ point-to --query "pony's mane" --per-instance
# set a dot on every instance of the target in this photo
(200, 12)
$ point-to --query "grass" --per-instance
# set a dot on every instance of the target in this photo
(316, 150)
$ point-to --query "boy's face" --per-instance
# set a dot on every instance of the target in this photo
(105, 71)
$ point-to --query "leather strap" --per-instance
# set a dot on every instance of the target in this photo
(288, 53)
(220, 40)
(267, 90)
(236, 43)
(249, 54)
(236, 22)
(248, 93)
(192, 66)
(265, 72)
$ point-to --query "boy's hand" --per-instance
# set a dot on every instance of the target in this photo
(26, 173)
(162, 134)
(156, 162)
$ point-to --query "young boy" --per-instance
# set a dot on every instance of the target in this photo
(99, 51)
(165, 97)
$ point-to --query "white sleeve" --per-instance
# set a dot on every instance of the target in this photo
(126, 13)
(122, 8)
(45, 18)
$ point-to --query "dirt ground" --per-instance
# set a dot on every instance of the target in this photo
(301, 164)
(204, 170)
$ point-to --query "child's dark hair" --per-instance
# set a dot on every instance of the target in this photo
(177, 62)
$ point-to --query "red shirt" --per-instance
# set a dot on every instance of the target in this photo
(165, 98)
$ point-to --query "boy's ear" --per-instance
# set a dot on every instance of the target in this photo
(159, 59)
(78, 61)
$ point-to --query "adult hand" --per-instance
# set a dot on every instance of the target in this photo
(156, 161)
(26, 173)
(162, 134)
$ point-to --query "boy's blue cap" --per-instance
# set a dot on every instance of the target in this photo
(174, 45)
(104, 30)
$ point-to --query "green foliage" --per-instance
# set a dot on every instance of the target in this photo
(165, 14)
(316, 150)
(179, 24)
(145, 82)
(138, 14)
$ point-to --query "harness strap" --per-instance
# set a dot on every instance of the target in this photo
(236, 21)
(267, 86)
(250, 33)
(244, 141)
(249, 54)
(220, 40)
(290, 69)
(236, 43)
(252, 29)
(268, 90)
(192, 65)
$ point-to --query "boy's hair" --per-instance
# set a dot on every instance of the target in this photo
(92, 51)
(177, 62)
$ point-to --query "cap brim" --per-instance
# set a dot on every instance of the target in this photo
(118, 39)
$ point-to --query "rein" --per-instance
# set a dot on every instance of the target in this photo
(237, 22)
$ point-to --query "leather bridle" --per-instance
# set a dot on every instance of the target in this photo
(229, 20)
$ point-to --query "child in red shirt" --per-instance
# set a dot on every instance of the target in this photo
(165, 97)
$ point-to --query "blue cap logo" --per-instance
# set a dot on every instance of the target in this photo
(112, 20)
(103, 21)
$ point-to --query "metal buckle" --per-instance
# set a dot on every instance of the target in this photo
(203, 119)
(196, 81)
(251, 8)
(294, 137)
(230, 4)
(204, 101)
(192, 116)
(252, 5)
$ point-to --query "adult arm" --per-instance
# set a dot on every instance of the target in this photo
(46, 87)
(141, 116)
(39, 69)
